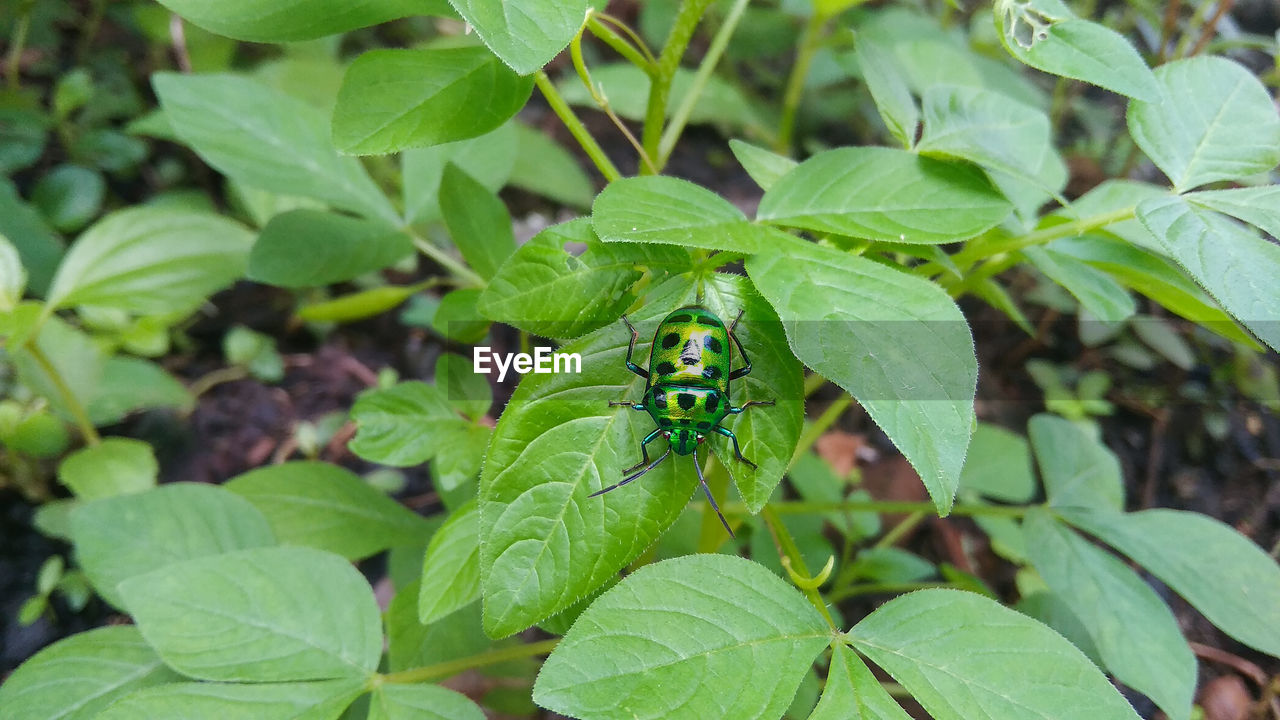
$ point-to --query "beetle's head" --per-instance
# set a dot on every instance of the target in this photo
(684, 441)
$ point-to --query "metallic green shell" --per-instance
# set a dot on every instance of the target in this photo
(691, 348)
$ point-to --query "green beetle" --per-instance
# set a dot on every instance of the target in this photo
(687, 388)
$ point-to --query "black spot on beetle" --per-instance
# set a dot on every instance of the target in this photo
(682, 318)
(711, 373)
(704, 425)
(708, 320)
(664, 422)
(665, 368)
(713, 345)
(659, 399)
(670, 341)
(713, 402)
(686, 400)
(685, 421)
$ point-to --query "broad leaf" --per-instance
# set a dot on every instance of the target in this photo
(883, 194)
(661, 209)
(13, 277)
(1046, 35)
(310, 248)
(1258, 206)
(544, 167)
(260, 615)
(151, 260)
(37, 244)
(1098, 293)
(400, 425)
(985, 127)
(999, 465)
(131, 383)
(478, 221)
(765, 167)
(421, 702)
(888, 89)
(116, 466)
(451, 569)
(963, 656)
(1237, 267)
(328, 507)
(466, 390)
(358, 305)
(853, 693)
(546, 290)
(124, 536)
(411, 644)
(319, 700)
(256, 21)
(649, 647)
(1212, 120)
(489, 159)
(1134, 631)
(527, 37)
(544, 542)
(75, 678)
(1078, 471)
(396, 99)
(898, 344)
(1219, 571)
(264, 138)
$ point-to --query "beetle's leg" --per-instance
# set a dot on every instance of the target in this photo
(736, 450)
(697, 466)
(746, 369)
(628, 403)
(644, 450)
(631, 348)
(739, 410)
(629, 478)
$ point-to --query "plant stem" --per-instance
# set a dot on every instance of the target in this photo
(210, 380)
(638, 55)
(787, 549)
(805, 507)
(576, 128)
(1210, 28)
(449, 668)
(821, 425)
(17, 43)
(808, 45)
(465, 274)
(681, 116)
(580, 64)
(78, 413)
(813, 382)
(686, 21)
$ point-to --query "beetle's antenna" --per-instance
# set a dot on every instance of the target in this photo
(634, 476)
(707, 490)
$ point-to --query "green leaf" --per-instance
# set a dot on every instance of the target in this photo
(359, 305)
(528, 37)
(999, 465)
(478, 221)
(898, 344)
(451, 569)
(324, 506)
(1134, 631)
(543, 167)
(260, 615)
(648, 647)
(1212, 120)
(458, 318)
(466, 390)
(130, 383)
(151, 260)
(1078, 470)
(890, 565)
(121, 537)
(888, 89)
(964, 656)
(321, 700)
(421, 702)
(985, 127)
(1258, 206)
(396, 99)
(883, 194)
(661, 209)
(116, 466)
(489, 159)
(765, 167)
(69, 196)
(75, 678)
(73, 355)
(309, 248)
(38, 246)
(411, 644)
(255, 21)
(458, 462)
(1098, 293)
(546, 290)
(13, 277)
(853, 693)
(1219, 571)
(544, 543)
(400, 425)
(264, 138)
(1237, 267)
(626, 87)
(1153, 276)
(1046, 35)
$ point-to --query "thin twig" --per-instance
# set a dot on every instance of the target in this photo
(1210, 28)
